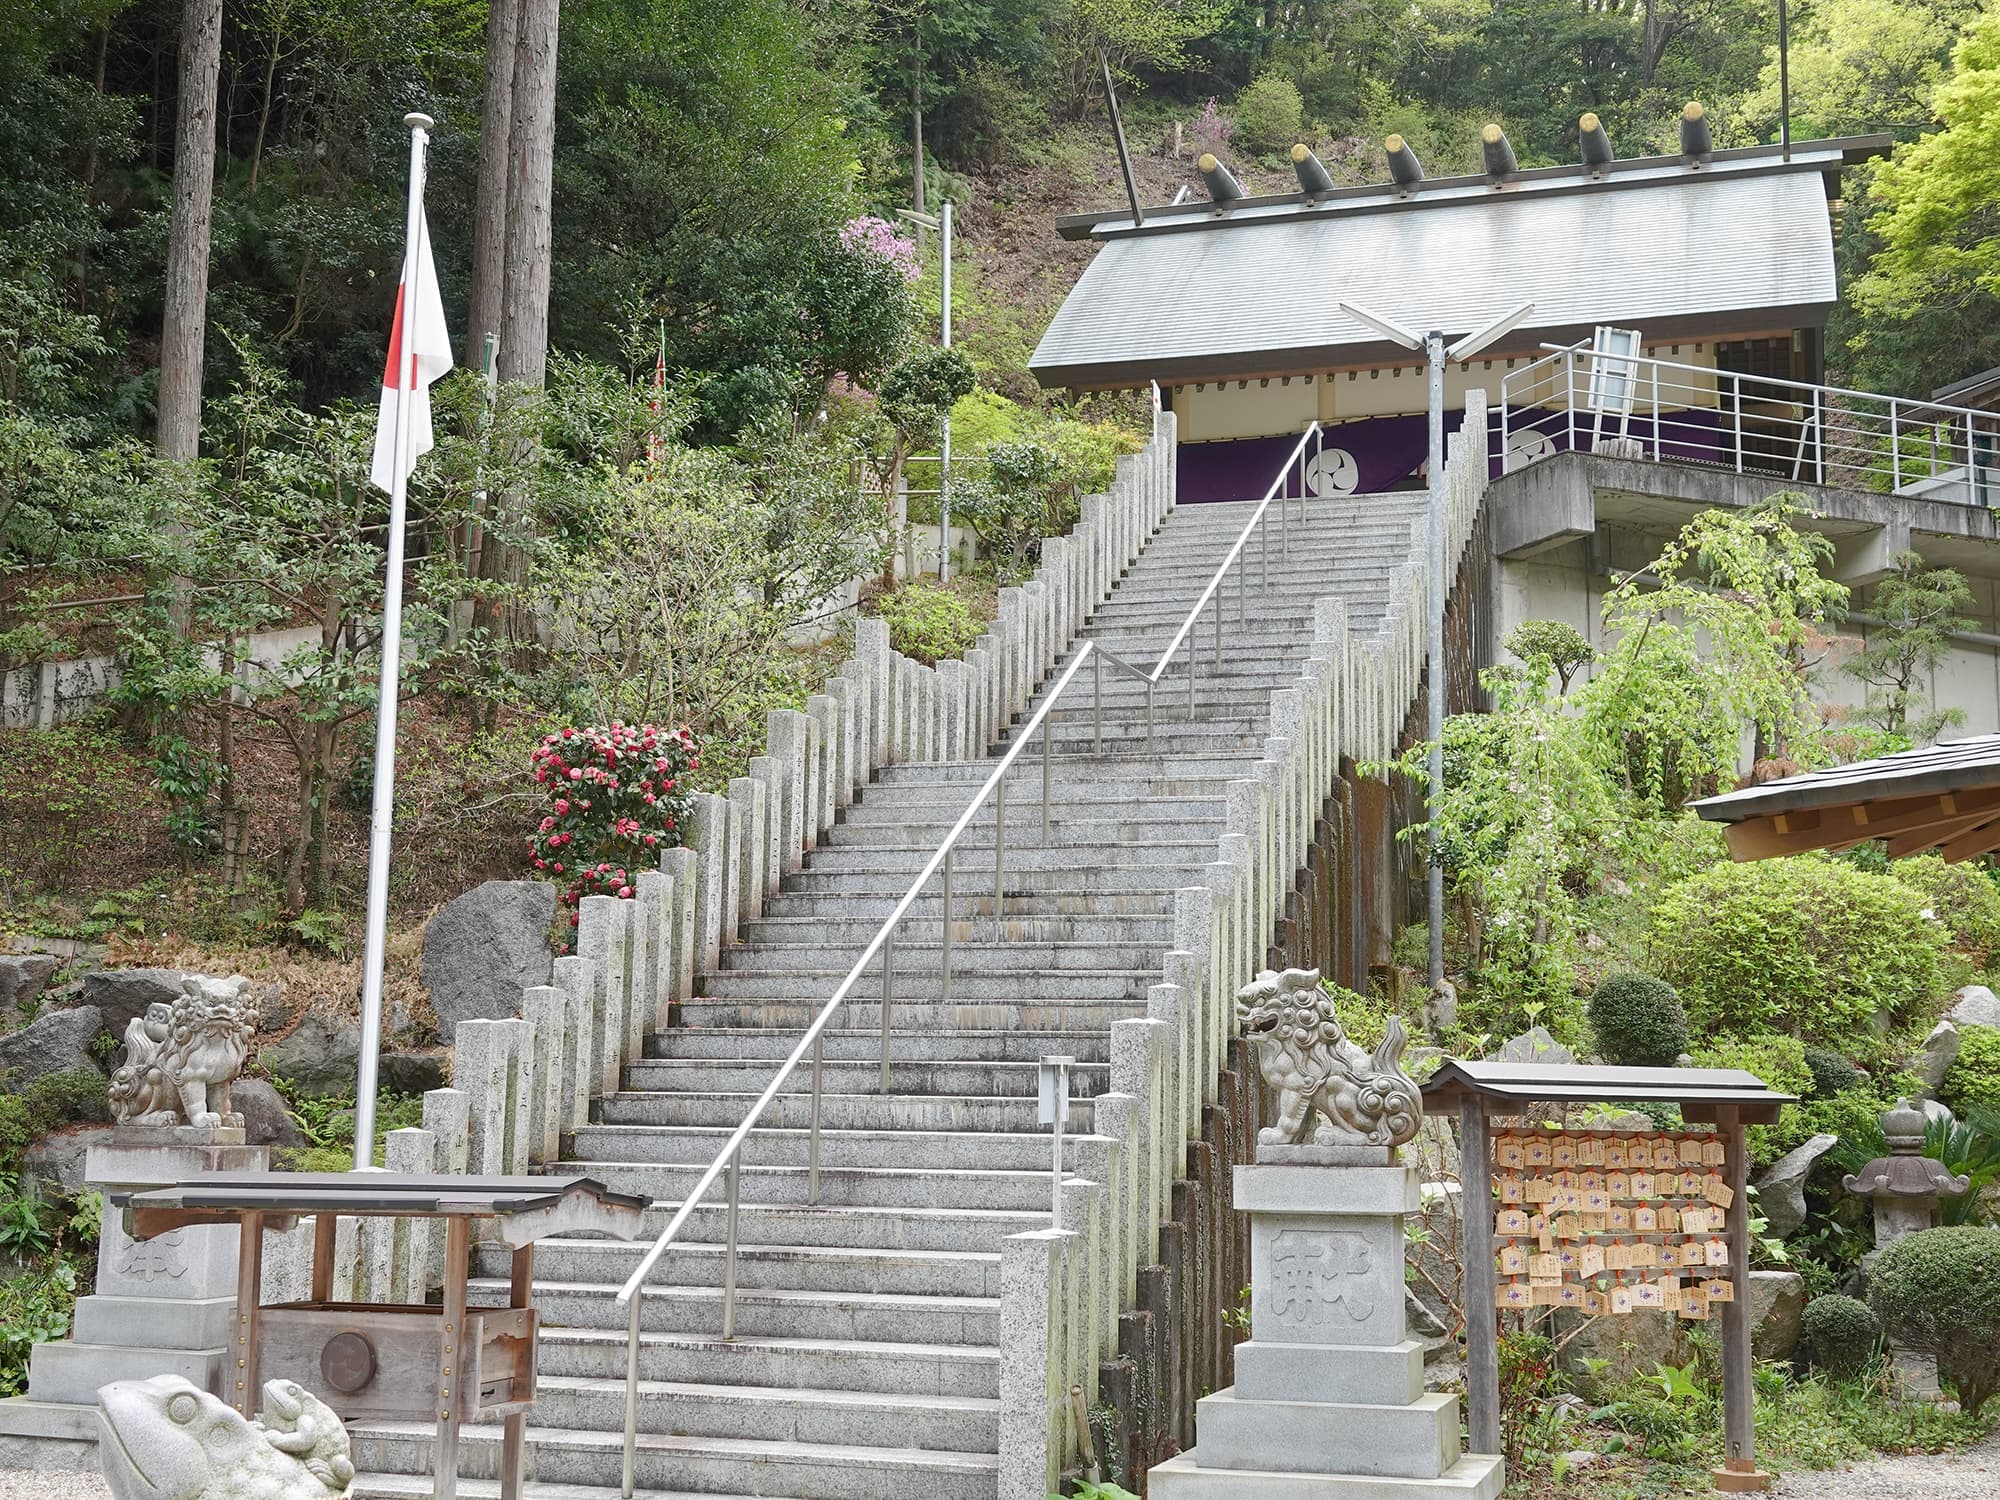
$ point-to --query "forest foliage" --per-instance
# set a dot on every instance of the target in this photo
(726, 184)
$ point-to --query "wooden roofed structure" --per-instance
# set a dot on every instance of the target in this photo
(1945, 797)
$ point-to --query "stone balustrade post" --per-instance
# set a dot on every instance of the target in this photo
(414, 1153)
(653, 918)
(746, 794)
(546, 1009)
(710, 838)
(785, 735)
(1030, 1271)
(601, 938)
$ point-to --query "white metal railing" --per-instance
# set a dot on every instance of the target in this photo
(1749, 424)
(727, 1164)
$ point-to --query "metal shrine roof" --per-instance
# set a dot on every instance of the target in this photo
(1740, 243)
(1698, 1091)
(521, 1209)
(1944, 797)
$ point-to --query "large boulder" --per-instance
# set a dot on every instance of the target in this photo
(413, 1072)
(1938, 1053)
(1631, 1344)
(319, 1058)
(1781, 1192)
(266, 1121)
(1777, 1304)
(23, 977)
(1975, 1005)
(1534, 1045)
(121, 994)
(58, 1158)
(53, 1042)
(483, 949)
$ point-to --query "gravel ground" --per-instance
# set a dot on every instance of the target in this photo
(42, 1484)
(1971, 1475)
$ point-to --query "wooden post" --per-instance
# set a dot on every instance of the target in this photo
(1482, 1351)
(242, 1389)
(514, 1427)
(324, 1225)
(1739, 1471)
(451, 1364)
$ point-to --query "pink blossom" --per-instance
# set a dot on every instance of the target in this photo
(558, 867)
(875, 236)
(547, 824)
(562, 806)
(624, 893)
(575, 775)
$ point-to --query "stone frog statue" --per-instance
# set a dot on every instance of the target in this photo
(1327, 1089)
(167, 1439)
(181, 1058)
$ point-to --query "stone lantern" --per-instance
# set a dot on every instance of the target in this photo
(1907, 1188)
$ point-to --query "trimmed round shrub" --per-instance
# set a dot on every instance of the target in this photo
(1962, 897)
(1938, 1291)
(1837, 1335)
(1831, 1073)
(1270, 113)
(1809, 946)
(1974, 1077)
(1638, 1021)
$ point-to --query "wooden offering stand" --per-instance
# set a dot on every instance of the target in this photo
(429, 1362)
(1726, 1098)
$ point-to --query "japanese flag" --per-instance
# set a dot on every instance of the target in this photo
(420, 327)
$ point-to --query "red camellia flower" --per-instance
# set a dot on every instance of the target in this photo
(576, 836)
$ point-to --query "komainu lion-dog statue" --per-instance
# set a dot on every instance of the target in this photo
(1328, 1091)
(181, 1058)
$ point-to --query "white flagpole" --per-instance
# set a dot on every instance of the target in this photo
(382, 816)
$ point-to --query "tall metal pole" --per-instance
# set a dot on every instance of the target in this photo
(1784, 79)
(1441, 591)
(944, 452)
(382, 814)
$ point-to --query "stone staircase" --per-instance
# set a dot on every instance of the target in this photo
(866, 1360)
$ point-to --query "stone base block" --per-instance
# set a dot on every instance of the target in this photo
(1478, 1476)
(1417, 1441)
(1392, 1376)
(47, 1436)
(71, 1372)
(199, 1324)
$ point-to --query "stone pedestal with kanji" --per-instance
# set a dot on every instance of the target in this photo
(1329, 1397)
(162, 1306)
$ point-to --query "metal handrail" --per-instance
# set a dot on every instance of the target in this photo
(1833, 434)
(729, 1158)
(1296, 456)
(882, 942)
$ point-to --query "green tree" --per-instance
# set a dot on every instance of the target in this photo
(1919, 607)
(1861, 65)
(1936, 205)
(1718, 635)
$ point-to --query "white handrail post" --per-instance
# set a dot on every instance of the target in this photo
(1895, 449)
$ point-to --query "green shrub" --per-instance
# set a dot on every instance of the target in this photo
(1809, 946)
(928, 622)
(1973, 1080)
(1779, 1060)
(1831, 1073)
(1638, 1021)
(1270, 113)
(1938, 1292)
(1961, 896)
(1838, 1335)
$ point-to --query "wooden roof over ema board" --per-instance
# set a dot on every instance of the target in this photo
(1944, 797)
(1698, 1091)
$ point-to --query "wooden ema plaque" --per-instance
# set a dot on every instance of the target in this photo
(1612, 1221)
